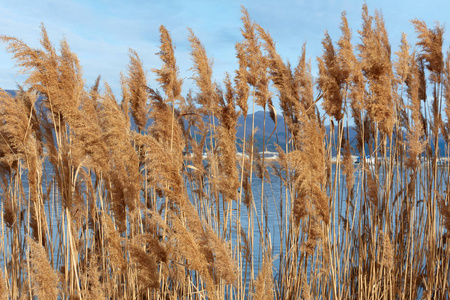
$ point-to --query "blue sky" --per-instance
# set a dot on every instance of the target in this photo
(101, 32)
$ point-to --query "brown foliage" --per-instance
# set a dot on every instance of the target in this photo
(375, 52)
(168, 74)
(264, 287)
(203, 73)
(331, 80)
(430, 41)
(43, 276)
(137, 89)
(138, 213)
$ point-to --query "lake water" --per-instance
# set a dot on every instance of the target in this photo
(275, 201)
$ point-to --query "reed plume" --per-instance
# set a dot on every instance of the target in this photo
(88, 142)
(402, 65)
(374, 53)
(125, 103)
(170, 137)
(10, 208)
(4, 290)
(122, 163)
(226, 142)
(331, 80)
(306, 289)
(15, 128)
(372, 188)
(282, 79)
(246, 166)
(165, 165)
(354, 80)
(430, 41)
(447, 94)
(94, 289)
(198, 257)
(387, 259)
(241, 80)
(146, 265)
(203, 74)
(250, 51)
(415, 132)
(444, 209)
(43, 276)
(137, 212)
(224, 264)
(311, 137)
(346, 57)
(264, 287)
(137, 89)
(113, 244)
(304, 87)
(167, 76)
(402, 70)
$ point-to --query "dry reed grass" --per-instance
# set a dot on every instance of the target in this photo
(94, 207)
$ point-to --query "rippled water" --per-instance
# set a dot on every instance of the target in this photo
(275, 200)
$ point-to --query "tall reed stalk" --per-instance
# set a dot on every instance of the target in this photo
(162, 197)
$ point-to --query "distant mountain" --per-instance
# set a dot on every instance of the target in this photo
(278, 135)
(274, 134)
(11, 92)
(281, 135)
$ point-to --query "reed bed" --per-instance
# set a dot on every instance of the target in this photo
(146, 197)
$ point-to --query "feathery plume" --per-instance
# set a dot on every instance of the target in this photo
(372, 186)
(306, 290)
(43, 276)
(402, 65)
(122, 166)
(331, 80)
(226, 143)
(375, 53)
(346, 58)
(415, 128)
(444, 210)
(137, 89)
(203, 73)
(14, 127)
(282, 78)
(241, 80)
(422, 81)
(430, 41)
(224, 265)
(94, 287)
(125, 103)
(387, 259)
(191, 245)
(250, 49)
(264, 286)
(167, 76)
(4, 291)
(447, 94)
(304, 86)
(146, 266)
(113, 245)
